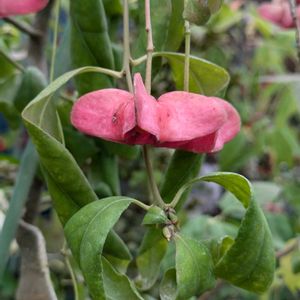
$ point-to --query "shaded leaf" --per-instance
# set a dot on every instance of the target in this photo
(194, 267)
(86, 233)
(183, 167)
(90, 43)
(249, 263)
(168, 286)
(151, 253)
(205, 77)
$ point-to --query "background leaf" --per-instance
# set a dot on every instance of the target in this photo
(90, 43)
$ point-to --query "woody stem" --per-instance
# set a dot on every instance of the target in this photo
(146, 149)
(126, 45)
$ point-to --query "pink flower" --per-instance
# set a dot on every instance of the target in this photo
(179, 120)
(278, 12)
(20, 7)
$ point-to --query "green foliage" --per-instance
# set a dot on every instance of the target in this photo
(87, 244)
(205, 77)
(90, 43)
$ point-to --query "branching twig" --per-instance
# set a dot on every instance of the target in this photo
(293, 8)
(23, 27)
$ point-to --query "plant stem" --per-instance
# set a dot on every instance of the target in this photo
(126, 45)
(23, 27)
(150, 46)
(11, 61)
(154, 189)
(293, 8)
(141, 205)
(64, 252)
(146, 149)
(187, 56)
(54, 43)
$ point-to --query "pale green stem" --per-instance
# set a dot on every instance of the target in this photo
(126, 45)
(141, 205)
(150, 47)
(153, 186)
(187, 55)
(54, 44)
(146, 149)
(64, 251)
(11, 61)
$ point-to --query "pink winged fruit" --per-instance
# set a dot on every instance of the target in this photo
(20, 7)
(179, 120)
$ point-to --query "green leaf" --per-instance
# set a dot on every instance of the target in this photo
(86, 233)
(183, 167)
(197, 11)
(160, 19)
(205, 77)
(67, 185)
(117, 286)
(33, 82)
(175, 32)
(151, 253)
(155, 215)
(254, 271)
(28, 166)
(90, 43)
(116, 252)
(194, 267)
(168, 286)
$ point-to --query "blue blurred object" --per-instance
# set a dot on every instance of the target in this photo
(3, 124)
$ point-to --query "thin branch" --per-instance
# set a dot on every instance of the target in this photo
(187, 56)
(65, 253)
(293, 8)
(146, 149)
(290, 248)
(23, 27)
(11, 61)
(55, 39)
(126, 45)
(153, 186)
(150, 46)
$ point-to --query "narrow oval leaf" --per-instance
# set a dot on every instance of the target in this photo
(168, 286)
(33, 82)
(151, 253)
(86, 233)
(182, 168)
(68, 186)
(249, 261)
(118, 286)
(194, 267)
(205, 77)
(90, 43)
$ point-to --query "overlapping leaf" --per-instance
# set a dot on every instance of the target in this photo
(249, 261)
(86, 233)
